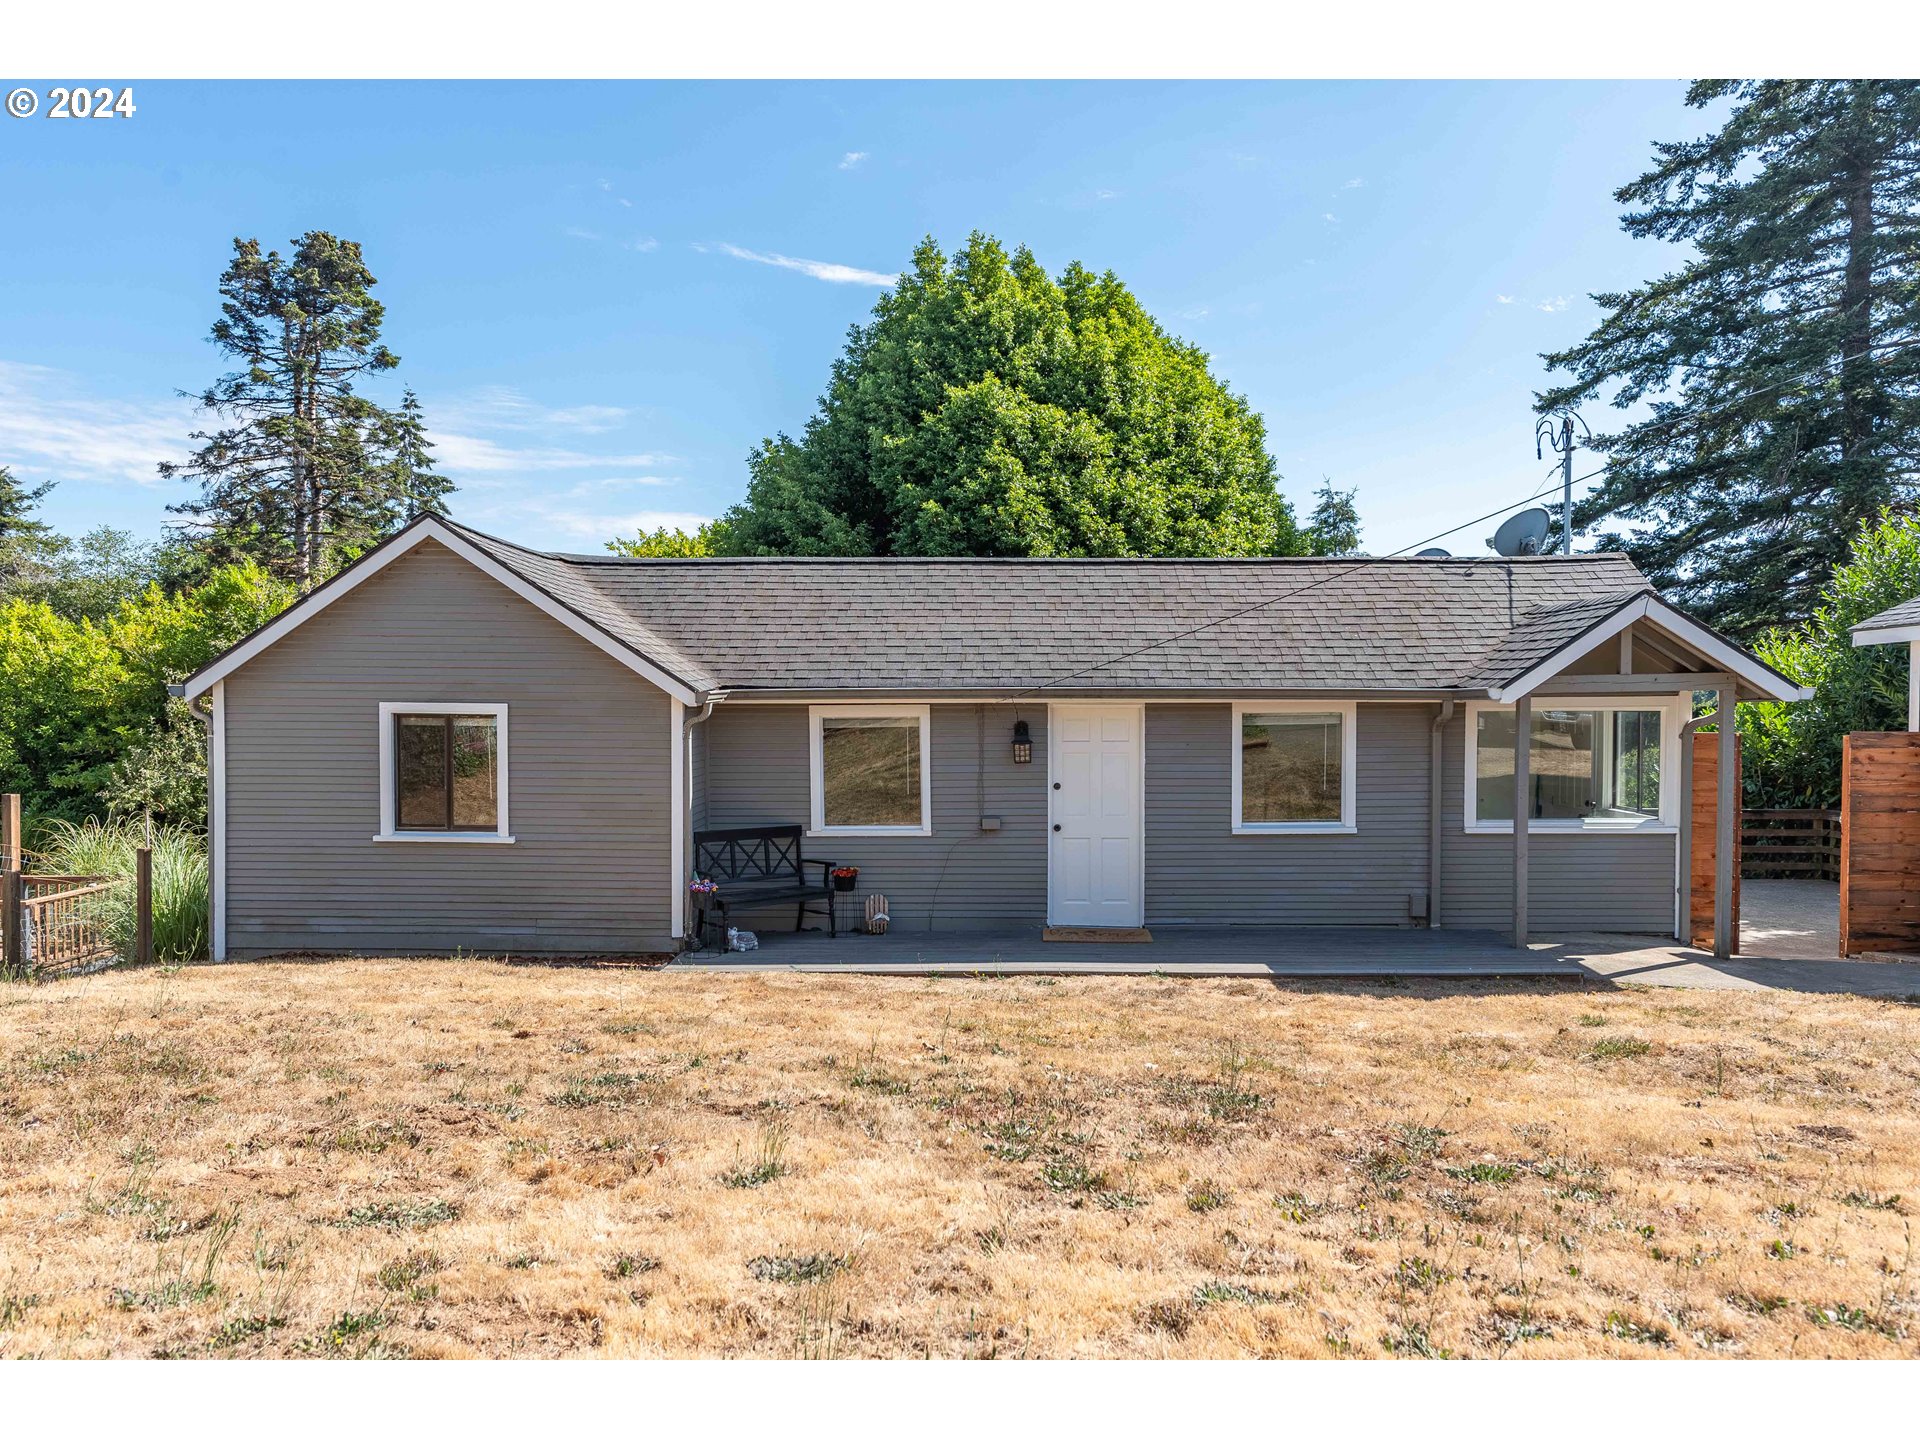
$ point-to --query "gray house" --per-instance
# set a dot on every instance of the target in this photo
(459, 743)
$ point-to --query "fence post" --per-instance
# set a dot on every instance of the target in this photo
(143, 906)
(12, 853)
(13, 930)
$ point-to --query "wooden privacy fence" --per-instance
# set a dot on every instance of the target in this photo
(53, 925)
(1790, 844)
(1880, 843)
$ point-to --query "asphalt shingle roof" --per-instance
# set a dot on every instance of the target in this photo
(1905, 613)
(910, 625)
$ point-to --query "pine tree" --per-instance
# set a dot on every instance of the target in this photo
(412, 487)
(17, 504)
(1334, 526)
(1780, 360)
(295, 477)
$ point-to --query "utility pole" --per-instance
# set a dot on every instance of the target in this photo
(1561, 438)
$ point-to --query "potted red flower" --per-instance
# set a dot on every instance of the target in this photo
(845, 876)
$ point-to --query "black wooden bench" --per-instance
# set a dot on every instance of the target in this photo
(761, 865)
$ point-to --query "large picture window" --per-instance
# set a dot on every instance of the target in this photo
(1293, 767)
(1588, 767)
(870, 770)
(443, 772)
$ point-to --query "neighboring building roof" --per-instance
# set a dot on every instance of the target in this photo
(1073, 626)
(1903, 620)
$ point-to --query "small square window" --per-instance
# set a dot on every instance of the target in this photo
(1293, 767)
(870, 770)
(443, 772)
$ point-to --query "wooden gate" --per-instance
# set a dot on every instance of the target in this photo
(1880, 843)
(1700, 864)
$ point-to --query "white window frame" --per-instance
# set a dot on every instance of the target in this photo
(1348, 711)
(817, 818)
(501, 834)
(1672, 717)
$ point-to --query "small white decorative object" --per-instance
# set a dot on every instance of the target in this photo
(876, 914)
(742, 939)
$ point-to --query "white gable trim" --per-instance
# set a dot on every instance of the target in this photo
(363, 570)
(1728, 658)
(1886, 634)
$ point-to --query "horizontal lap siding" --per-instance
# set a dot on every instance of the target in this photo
(1574, 882)
(1200, 872)
(588, 785)
(756, 773)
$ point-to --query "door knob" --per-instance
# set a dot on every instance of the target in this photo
(1056, 784)
(1056, 829)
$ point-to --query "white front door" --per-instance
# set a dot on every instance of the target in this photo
(1096, 815)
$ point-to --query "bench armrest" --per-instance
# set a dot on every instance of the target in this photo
(827, 867)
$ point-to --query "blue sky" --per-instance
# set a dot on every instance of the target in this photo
(607, 293)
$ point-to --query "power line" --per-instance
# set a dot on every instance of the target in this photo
(1354, 567)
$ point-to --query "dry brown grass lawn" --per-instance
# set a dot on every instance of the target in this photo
(465, 1158)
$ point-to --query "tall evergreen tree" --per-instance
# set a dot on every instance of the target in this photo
(987, 409)
(17, 504)
(1334, 526)
(1781, 359)
(299, 473)
(411, 487)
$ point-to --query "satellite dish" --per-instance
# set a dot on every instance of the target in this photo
(1433, 552)
(1522, 534)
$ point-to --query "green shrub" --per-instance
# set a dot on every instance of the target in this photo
(180, 895)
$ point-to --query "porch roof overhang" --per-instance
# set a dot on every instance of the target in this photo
(1721, 661)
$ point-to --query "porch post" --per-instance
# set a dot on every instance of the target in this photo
(1726, 805)
(1913, 685)
(1522, 808)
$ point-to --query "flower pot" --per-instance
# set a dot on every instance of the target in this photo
(844, 883)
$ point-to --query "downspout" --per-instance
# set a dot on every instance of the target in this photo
(1436, 797)
(685, 761)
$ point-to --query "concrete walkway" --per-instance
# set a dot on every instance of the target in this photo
(1789, 936)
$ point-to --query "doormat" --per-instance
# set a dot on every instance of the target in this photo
(1099, 934)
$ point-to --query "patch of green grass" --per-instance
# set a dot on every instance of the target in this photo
(354, 1334)
(13, 1309)
(406, 1275)
(1592, 1021)
(1295, 1207)
(1863, 1200)
(242, 1328)
(1484, 1172)
(767, 1163)
(1205, 1196)
(1414, 1340)
(1227, 1292)
(866, 1077)
(375, 1138)
(1618, 1047)
(609, 1087)
(1068, 1174)
(796, 1269)
(400, 1215)
(1419, 1142)
(1417, 1272)
(1619, 1327)
(627, 1264)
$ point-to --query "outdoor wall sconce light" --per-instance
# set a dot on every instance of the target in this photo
(1022, 743)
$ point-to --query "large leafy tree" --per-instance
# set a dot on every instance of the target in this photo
(1779, 362)
(303, 470)
(988, 409)
(1792, 752)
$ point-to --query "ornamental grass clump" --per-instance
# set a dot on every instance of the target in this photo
(180, 896)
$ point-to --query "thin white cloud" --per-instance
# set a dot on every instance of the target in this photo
(827, 270)
(1503, 299)
(501, 407)
(1354, 184)
(51, 429)
(457, 453)
(1331, 219)
(1558, 302)
(1194, 312)
(854, 159)
(611, 483)
(575, 232)
(576, 524)
(1106, 194)
(643, 243)
(628, 204)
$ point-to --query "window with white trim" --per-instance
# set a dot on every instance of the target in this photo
(869, 770)
(1590, 767)
(443, 772)
(1293, 767)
